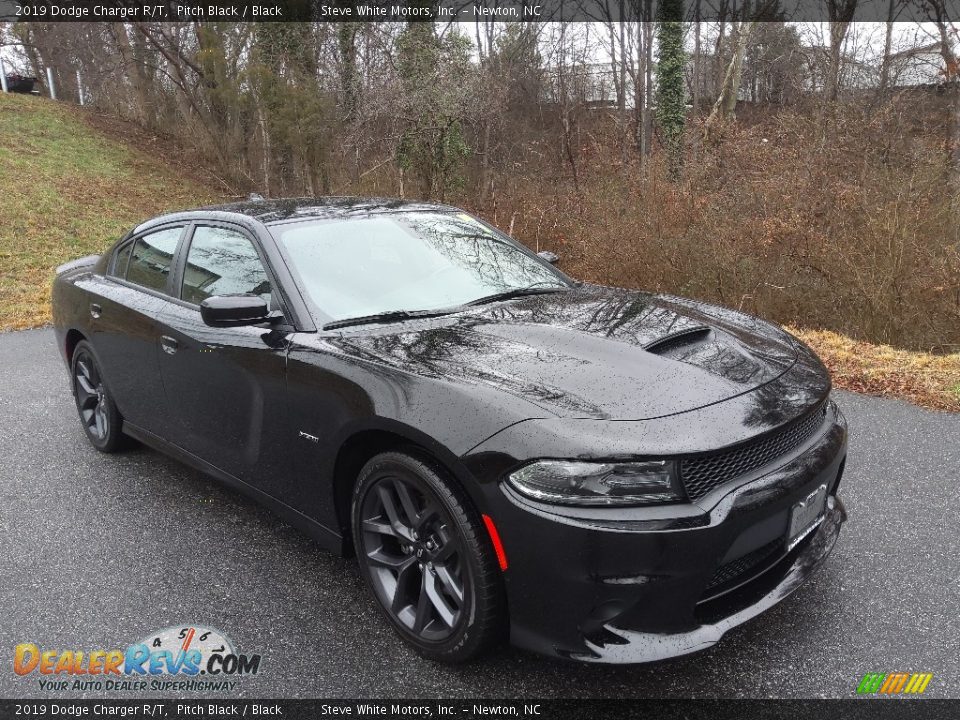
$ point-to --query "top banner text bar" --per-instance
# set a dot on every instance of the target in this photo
(333, 11)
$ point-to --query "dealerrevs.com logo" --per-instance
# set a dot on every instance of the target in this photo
(185, 658)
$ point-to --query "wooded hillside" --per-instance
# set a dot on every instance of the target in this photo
(811, 179)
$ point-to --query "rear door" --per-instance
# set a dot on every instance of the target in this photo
(125, 324)
(225, 387)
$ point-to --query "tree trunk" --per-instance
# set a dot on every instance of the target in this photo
(648, 87)
(726, 105)
(697, 70)
(671, 84)
(639, 96)
(265, 133)
(485, 181)
(349, 80)
(697, 61)
(484, 49)
(887, 43)
(838, 32)
(951, 66)
(134, 71)
(718, 50)
(622, 90)
(643, 82)
(840, 13)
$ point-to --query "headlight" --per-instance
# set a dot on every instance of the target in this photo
(589, 483)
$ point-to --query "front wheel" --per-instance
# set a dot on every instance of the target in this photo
(98, 414)
(426, 558)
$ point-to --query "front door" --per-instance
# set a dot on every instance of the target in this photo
(225, 387)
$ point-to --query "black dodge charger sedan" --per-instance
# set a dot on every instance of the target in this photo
(598, 474)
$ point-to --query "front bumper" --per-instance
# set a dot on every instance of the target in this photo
(640, 647)
(645, 584)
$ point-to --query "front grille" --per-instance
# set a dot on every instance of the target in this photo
(703, 473)
(742, 565)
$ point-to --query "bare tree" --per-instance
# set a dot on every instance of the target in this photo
(840, 13)
(618, 46)
(947, 35)
(893, 11)
(641, 76)
(725, 106)
(567, 101)
(697, 69)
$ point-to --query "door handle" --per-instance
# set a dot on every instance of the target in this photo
(95, 310)
(168, 344)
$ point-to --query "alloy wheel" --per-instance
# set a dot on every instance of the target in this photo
(91, 397)
(414, 558)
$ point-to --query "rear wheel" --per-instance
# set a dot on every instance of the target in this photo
(426, 558)
(98, 414)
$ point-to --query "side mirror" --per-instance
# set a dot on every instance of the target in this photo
(550, 257)
(234, 310)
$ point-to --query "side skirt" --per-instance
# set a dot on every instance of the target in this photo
(329, 539)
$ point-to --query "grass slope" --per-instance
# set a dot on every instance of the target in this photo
(925, 379)
(67, 190)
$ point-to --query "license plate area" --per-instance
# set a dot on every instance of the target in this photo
(806, 515)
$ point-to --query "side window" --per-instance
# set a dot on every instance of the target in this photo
(120, 259)
(222, 262)
(152, 258)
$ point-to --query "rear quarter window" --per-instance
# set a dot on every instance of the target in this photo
(152, 259)
(121, 257)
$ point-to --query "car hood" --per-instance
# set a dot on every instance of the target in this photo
(590, 352)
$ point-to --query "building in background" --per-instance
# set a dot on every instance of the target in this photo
(918, 67)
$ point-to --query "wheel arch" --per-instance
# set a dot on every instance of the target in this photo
(70, 342)
(363, 443)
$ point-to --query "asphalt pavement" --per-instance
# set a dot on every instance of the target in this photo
(97, 551)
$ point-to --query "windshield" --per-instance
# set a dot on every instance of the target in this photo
(410, 261)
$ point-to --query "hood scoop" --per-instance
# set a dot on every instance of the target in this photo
(674, 341)
(712, 350)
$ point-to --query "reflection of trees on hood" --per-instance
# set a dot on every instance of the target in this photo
(464, 352)
(775, 403)
(620, 315)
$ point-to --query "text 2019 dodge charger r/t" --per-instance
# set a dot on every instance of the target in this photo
(601, 474)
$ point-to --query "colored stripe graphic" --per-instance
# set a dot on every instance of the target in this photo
(894, 683)
(871, 683)
(918, 683)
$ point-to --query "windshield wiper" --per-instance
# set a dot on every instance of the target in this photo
(395, 315)
(516, 292)
(385, 317)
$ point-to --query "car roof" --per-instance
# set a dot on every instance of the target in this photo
(286, 209)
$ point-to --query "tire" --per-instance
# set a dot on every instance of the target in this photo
(418, 540)
(99, 416)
